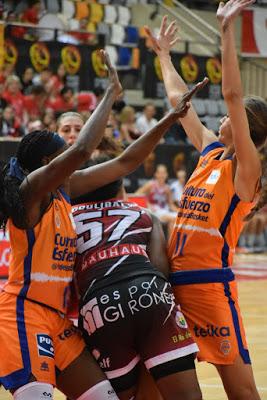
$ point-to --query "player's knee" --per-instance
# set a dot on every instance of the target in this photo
(34, 391)
(100, 391)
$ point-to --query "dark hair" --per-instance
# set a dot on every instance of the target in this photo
(31, 150)
(37, 89)
(99, 91)
(256, 109)
(105, 192)
(65, 90)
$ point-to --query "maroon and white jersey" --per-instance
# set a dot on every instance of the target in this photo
(112, 239)
(158, 196)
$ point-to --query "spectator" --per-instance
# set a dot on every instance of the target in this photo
(3, 102)
(146, 121)
(32, 14)
(10, 125)
(63, 102)
(26, 80)
(36, 125)
(44, 79)
(13, 95)
(159, 197)
(177, 186)
(58, 80)
(86, 101)
(36, 102)
(128, 128)
(49, 118)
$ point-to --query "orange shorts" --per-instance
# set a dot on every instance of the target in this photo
(213, 315)
(34, 340)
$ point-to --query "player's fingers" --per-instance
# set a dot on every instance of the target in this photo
(175, 41)
(105, 59)
(163, 25)
(170, 27)
(187, 96)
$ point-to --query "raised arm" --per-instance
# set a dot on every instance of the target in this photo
(49, 177)
(93, 177)
(248, 170)
(198, 134)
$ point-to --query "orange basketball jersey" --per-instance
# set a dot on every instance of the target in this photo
(210, 216)
(42, 258)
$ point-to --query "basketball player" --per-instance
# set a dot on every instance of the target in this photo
(69, 125)
(216, 199)
(40, 347)
(127, 309)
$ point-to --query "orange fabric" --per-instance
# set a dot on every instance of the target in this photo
(208, 314)
(42, 258)
(135, 63)
(82, 10)
(51, 340)
(204, 206)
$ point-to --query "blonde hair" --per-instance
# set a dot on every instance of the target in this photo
(125, 113)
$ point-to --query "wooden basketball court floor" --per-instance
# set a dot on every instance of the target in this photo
(251, 272)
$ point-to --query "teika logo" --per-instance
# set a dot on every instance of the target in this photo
(211, 330)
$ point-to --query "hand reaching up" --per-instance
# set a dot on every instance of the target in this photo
(166, 39)
(112, 73)
(228, 12)
(183, 105)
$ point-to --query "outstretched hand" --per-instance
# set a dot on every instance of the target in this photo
(167, 36)
(228, 12)
(112, 73)
(184, 104)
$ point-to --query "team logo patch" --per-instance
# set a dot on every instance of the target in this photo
(225, 347)
(45, 345)
(214, 177)
(44, 367)
(180, 320)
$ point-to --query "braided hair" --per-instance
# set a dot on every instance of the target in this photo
(32, 148)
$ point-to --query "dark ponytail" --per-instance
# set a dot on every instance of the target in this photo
(256, 109)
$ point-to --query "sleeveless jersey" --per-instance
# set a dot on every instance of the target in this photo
(112, 240)
(42, 258)
(158, 195)
(210, 216)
